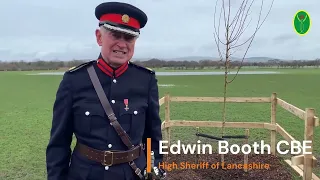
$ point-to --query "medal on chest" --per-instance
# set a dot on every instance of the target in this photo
(126, 102)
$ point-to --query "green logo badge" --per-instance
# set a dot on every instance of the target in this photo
(301, 22)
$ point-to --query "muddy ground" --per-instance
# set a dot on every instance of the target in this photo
(262, 167)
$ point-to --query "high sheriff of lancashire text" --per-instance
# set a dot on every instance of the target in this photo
(206, 165)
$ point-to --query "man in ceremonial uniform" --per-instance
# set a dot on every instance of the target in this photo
(102, 150)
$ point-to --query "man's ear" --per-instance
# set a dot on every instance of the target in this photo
(99, 37)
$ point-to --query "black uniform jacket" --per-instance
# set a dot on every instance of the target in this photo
(77, 110)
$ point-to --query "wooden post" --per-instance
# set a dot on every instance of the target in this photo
(308, 136)
(246, 156)
(273, 122)
(167, 117)
(198, 155)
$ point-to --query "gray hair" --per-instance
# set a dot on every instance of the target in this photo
(103, 30)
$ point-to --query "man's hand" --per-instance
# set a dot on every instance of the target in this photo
(155, 174)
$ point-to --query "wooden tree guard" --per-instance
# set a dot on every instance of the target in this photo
(302, 164)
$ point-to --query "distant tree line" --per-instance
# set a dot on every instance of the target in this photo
(157, 63)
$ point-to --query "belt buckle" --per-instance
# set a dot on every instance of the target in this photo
(104, 158)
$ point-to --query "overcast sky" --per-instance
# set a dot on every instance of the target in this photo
(64, 29)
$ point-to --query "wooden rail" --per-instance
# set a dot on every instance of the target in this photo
(302, 164)
(220, 99)
(296, 111)
(185, 123)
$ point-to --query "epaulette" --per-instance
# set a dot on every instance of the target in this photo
(75, 68)
(142, 67)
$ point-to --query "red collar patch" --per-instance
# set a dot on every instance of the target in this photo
(109, 70)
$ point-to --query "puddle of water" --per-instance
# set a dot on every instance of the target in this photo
(210, 73)
(166, 85)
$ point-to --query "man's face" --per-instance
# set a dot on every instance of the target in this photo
(116, 47)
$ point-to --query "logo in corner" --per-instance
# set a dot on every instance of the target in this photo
(301, 22)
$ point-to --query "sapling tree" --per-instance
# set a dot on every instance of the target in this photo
(230, 37)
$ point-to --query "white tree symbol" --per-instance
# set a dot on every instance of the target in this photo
(302, 19)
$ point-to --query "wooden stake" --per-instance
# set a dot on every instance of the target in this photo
(308, 136)
(246, 156)
(197, 154)
(273, 122)
(167, 118)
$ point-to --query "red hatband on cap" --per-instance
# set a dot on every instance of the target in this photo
(121, 19)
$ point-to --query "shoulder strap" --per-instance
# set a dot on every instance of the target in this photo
(142, 67)
(75, 68)
(112, 117)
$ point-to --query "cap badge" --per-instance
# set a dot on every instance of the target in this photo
(125, 18)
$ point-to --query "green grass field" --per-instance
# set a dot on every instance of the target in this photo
(26, 110)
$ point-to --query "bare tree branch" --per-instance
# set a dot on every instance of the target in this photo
(216, 37)
(252, 37)
(241, 14)
(224, 18)
(237, 15)
(242, 21)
